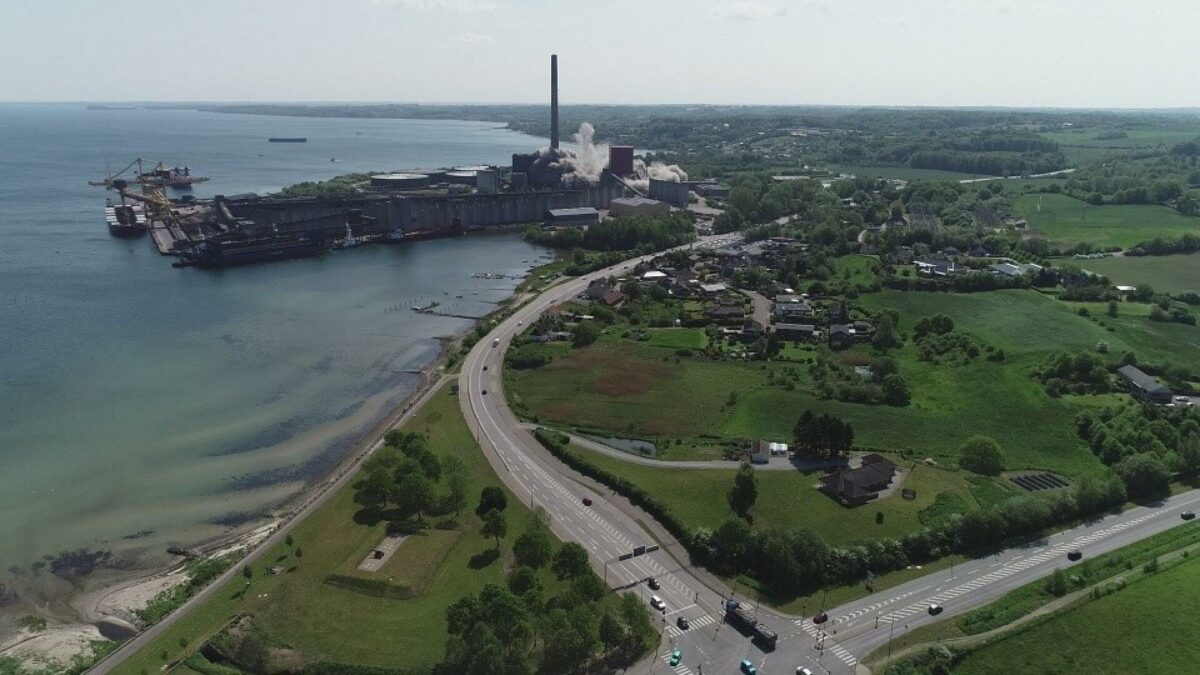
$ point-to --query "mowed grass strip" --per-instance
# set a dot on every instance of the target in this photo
(1065, 220)
(298, 608)
(1150, 620)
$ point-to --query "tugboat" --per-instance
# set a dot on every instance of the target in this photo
(125, 220)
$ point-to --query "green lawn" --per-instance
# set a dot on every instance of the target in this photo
(906, 173)
(790, 498)
(1151, 618)
(858, 269)
(1065, 221)
(638, 389)
(298, 608)
(1166, 273)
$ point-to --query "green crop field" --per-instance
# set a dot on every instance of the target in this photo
(1151, 618)
(790, 499)
(353, 626)
(1064, 220)
(635, 388)
(1166, 273)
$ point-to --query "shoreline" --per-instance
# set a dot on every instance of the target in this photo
(119, 596)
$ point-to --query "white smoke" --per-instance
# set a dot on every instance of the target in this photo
(583, 167)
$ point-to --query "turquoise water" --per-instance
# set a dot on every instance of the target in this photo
(143, 406)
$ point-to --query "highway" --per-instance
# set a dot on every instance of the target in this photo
(853, 630)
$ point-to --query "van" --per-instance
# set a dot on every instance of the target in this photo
(496, 342)
(657, 603)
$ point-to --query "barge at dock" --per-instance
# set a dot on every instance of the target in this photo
(125, 220)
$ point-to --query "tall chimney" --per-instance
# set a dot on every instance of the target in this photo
(554, 101)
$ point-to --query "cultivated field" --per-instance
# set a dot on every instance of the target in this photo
(1165, 273)
(1065, 221)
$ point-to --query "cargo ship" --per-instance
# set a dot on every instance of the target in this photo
(181, 179)
(249, 246)
(125, 220)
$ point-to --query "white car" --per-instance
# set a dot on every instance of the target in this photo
(657, 603)
(801, 670)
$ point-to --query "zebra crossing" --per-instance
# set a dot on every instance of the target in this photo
(846, 618)
(674, 631)
(830, 646)
(679, 669)
(1013, 567)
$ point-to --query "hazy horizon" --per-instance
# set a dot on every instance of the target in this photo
(1073, 54)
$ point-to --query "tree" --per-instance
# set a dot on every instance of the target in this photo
(981, 455)
(612, 630)
(570, 561)
(641, 632)
(886, 336)
(570, 638)
(373, 490)
(744, 492)
(533, 547)
(494, 525)
(491, 498)
(1112, 308)
(1145, 476)
(456, 483)
(287, 541)
(1056, 583)
(585, 334)
(895, 391)
(415, 494)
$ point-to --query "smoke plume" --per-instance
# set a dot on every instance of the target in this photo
(582, 167)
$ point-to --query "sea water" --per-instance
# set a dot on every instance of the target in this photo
(143, 406)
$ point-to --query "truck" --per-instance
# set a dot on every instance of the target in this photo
(743, 620)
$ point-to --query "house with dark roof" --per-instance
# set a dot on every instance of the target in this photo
(841, 336)
(788, 312)
(613, 298)
(796, 332)
(1143, 387)
(595, 290)
(726, 315)
(853, 487)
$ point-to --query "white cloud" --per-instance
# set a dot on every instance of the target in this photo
(475, 39)
(459, 6)
(747, 10)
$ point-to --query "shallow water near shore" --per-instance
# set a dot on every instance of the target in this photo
(143, 406)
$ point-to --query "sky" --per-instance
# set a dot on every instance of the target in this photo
(1021, 53)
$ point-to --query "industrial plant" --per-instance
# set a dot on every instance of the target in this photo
(551, 184)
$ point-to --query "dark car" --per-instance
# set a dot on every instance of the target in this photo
(821, 617)
(934, 610)
(1074, 555)
(484, 392)
(1188, 515)
(652, 583)
(683, 623)
(587, 501)
(485, 367)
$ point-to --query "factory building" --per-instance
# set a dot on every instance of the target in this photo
(672, 192)
(637, 206)
(399, 181)
(583, 215)
(620, 160)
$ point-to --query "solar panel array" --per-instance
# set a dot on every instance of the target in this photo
(1039, 481)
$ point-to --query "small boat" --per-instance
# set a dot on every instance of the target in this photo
(285, 139)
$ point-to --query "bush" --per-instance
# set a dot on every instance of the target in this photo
(981, 455)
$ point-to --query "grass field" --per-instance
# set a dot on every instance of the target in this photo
(906, 173)
(635, 388)
(1149, 616)
(1166, 273)
(1065, 221)
(790, 499)
(352, 626)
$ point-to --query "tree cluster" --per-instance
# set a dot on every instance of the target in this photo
(1082, 373)
(407, 477)
(1145, 444)
(822, 435)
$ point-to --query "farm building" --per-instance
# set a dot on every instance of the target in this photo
(861, 485)
(1144, 387)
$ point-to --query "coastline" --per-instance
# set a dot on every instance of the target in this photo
(112, 604)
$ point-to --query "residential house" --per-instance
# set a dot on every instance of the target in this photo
(796, 332)
(1143, 387)
(858, 486)
(789, 312)
(862, 330)
(613, 298)
(841, 336)
(760, 452)
(752, 330)
(713, 290)
(726, 315)
(596, 290)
